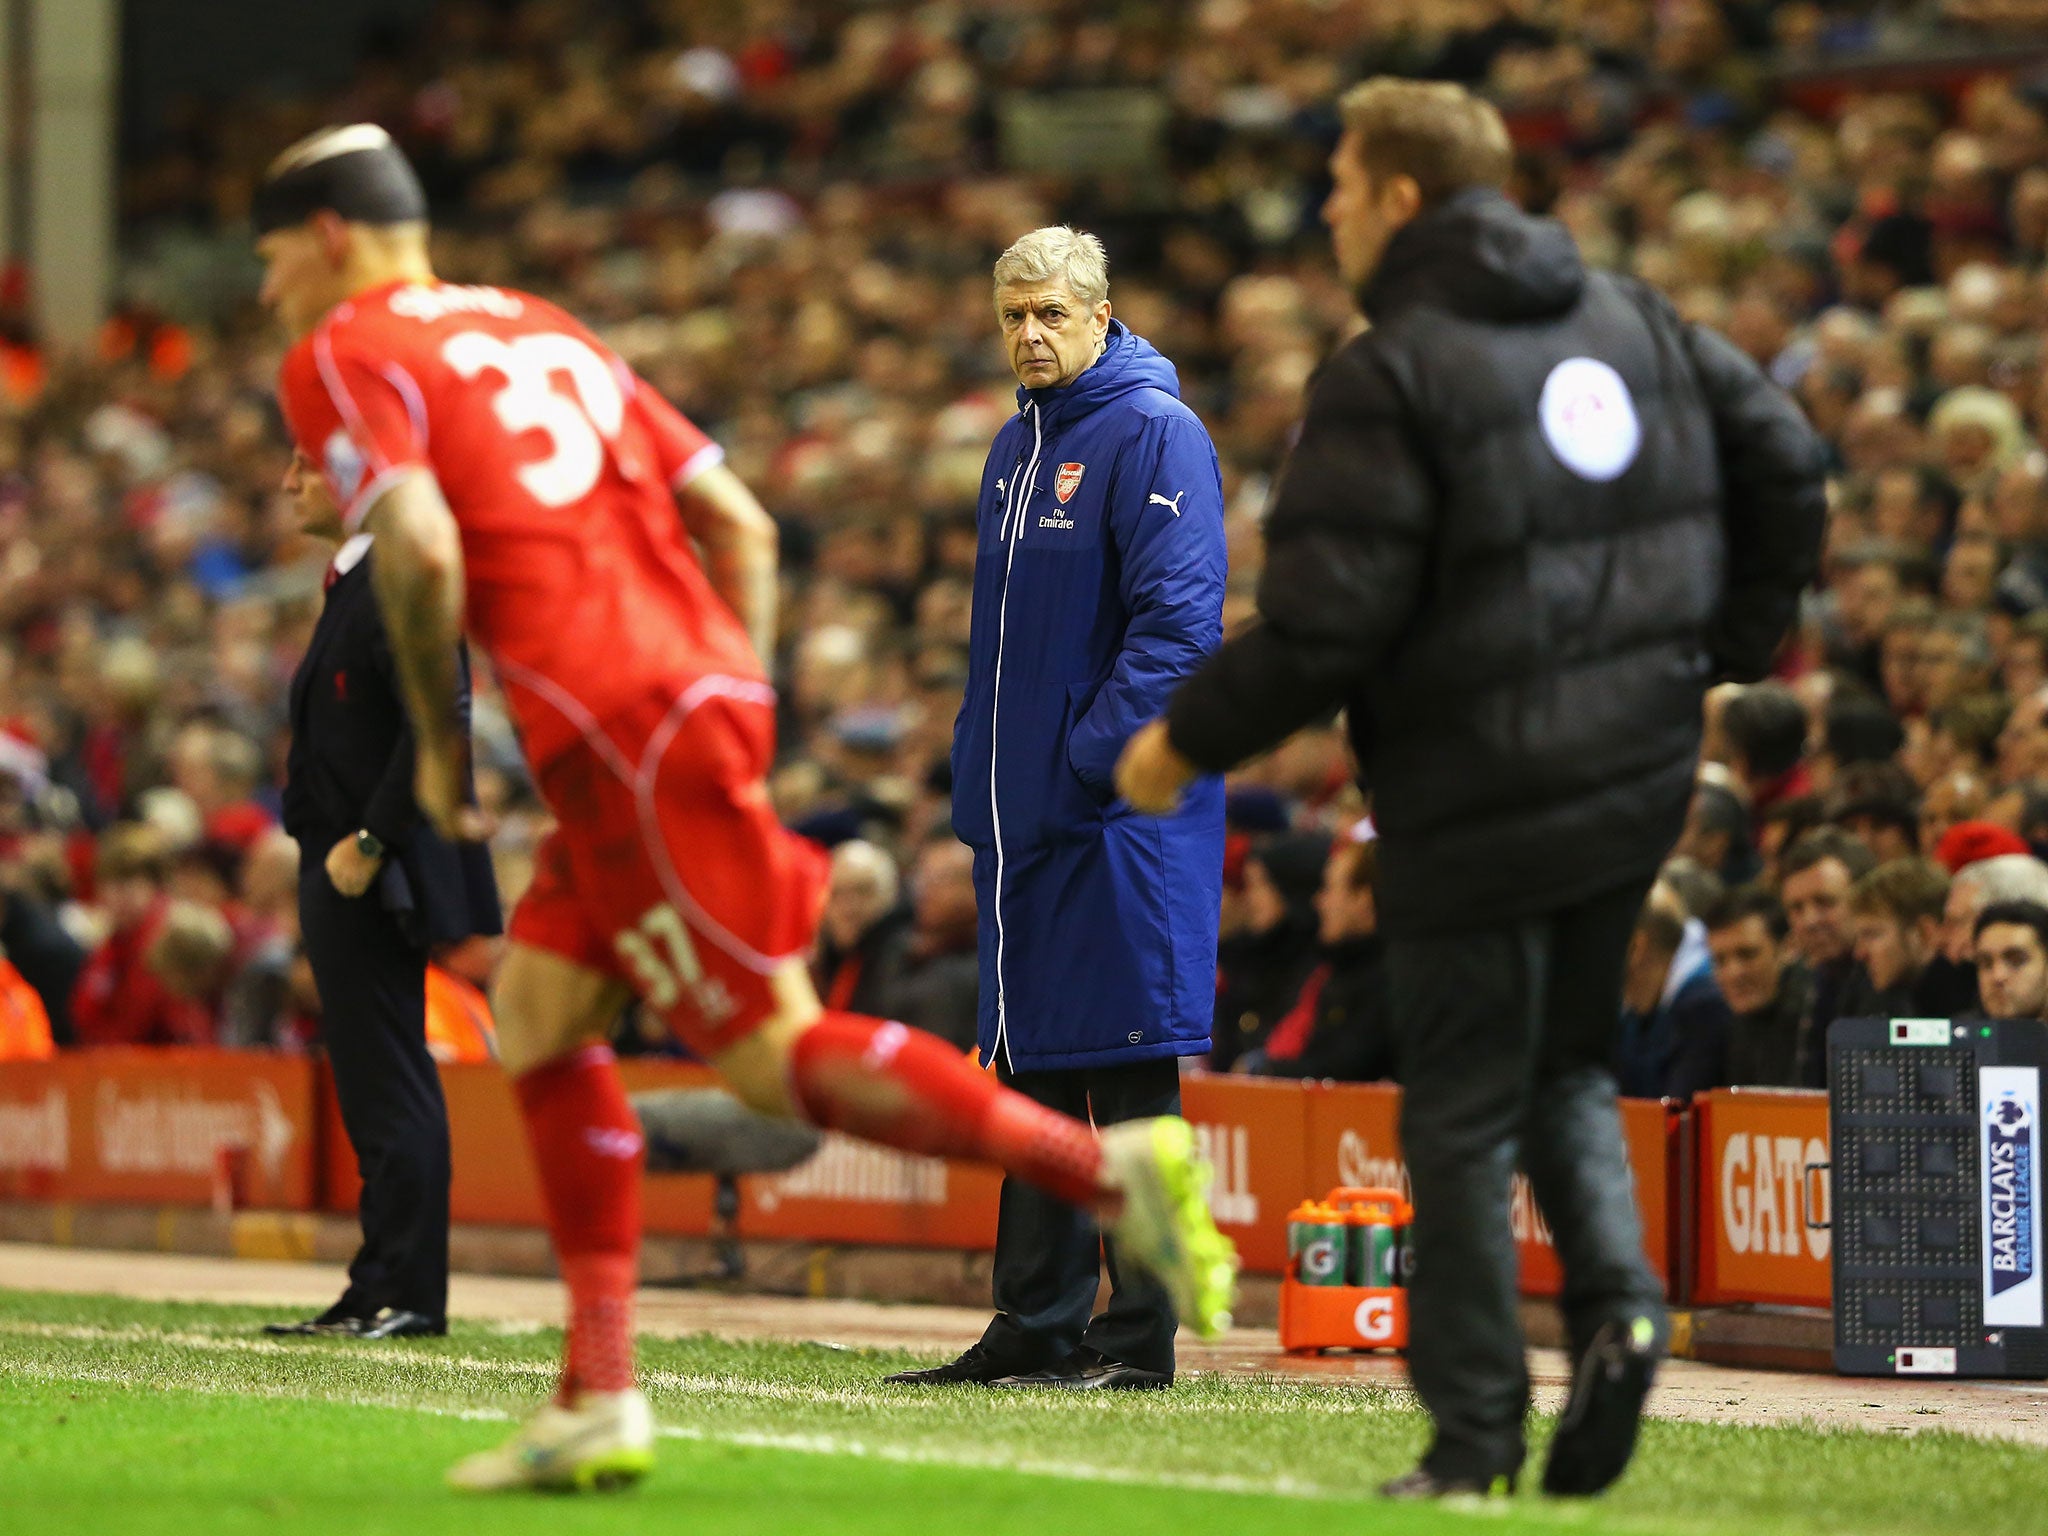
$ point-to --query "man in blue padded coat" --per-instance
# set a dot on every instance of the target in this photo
(1098, 586)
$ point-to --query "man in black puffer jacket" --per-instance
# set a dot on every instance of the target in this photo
(1531, 516)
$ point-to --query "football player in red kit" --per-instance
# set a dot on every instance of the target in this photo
(519, 480)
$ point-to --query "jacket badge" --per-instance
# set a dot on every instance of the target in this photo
(341, 686)
(1068, 481)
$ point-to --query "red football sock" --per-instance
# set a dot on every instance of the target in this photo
(912, 1091)
(587, 1147)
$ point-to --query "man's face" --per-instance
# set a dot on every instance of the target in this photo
(1970, 574)
(1817, 903)
(1265, 908)
(1363, 214)
(1342, 911)
(2012, 972)
(943, 892)
(1867, 597)
(127, 900)
(1900, 663)
(1699, 841)
(1946, 671)
(1748, 963)
(2025, 670)
(1959, 921)
(1890, 952)
(307, 487)
(2023, 744)
(1051, 336)
(1881, 836)
(1951, 798)
(301, 271)
(853, 902)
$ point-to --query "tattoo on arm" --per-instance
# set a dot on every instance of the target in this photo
(416, 570)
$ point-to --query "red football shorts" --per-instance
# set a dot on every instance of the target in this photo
(669, 869)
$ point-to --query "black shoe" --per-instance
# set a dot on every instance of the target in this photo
(1422, 1484)
(975, 1368)
(1597, 1433)
(396, 1323)
(1089, 1370)
(341, 1318)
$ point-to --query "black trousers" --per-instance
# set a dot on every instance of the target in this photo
(373, 1011)
(1050, 1255)
(1506, 1036)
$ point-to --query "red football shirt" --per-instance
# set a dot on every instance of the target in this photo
(559, 464)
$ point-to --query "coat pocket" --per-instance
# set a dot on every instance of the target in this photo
(1039, 799)
(1100, 789)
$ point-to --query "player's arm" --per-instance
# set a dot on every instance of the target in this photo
(740, 547)
(735, 533)
(417, 575)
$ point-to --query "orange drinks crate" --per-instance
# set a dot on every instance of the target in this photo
(1343, 1286)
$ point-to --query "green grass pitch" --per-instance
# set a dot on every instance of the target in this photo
(133, 1418)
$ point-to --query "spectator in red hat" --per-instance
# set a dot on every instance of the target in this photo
(1969, 842)
(2006, 877)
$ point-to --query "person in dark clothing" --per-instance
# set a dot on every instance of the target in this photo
(1895, 912)
(1879, 805)
(1815, 878)
(2012, 959)
(1262, 964)
(1765, 729)
(48, 958)
(865, 932)
(378, 889)
(1530, 516)
(1768, 991)
(1860, 729)
(936, 984)
(1717, 832)
(1100, 577)
(1337, 1027)
(1673, 1040)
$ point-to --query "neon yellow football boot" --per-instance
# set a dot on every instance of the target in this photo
(1165, 1226)
(605, 1440)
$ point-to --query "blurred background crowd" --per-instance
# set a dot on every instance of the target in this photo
(785, 214)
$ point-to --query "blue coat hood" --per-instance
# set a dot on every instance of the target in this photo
(1098, 587)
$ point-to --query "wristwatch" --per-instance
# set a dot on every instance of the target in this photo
(369, 844)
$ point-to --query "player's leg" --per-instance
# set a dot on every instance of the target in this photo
(1577, 1159)
(903, 1088)
(553, 1016)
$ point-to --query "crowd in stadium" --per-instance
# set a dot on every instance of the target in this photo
(785, 215)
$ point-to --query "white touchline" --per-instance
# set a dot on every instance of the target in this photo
(796, 1443)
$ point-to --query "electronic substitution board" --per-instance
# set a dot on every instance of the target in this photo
(1937, 1134)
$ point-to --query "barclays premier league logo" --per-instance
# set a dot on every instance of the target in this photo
(2011, 1102)
(2011, 1174)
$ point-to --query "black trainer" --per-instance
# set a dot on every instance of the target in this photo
(1597, 1433)
(397, 1323)
(976, 1367)
(1421, 1484)
(344, 1317)
(1090, 1370)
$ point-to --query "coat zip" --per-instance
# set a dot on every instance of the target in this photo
(1011, 532)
